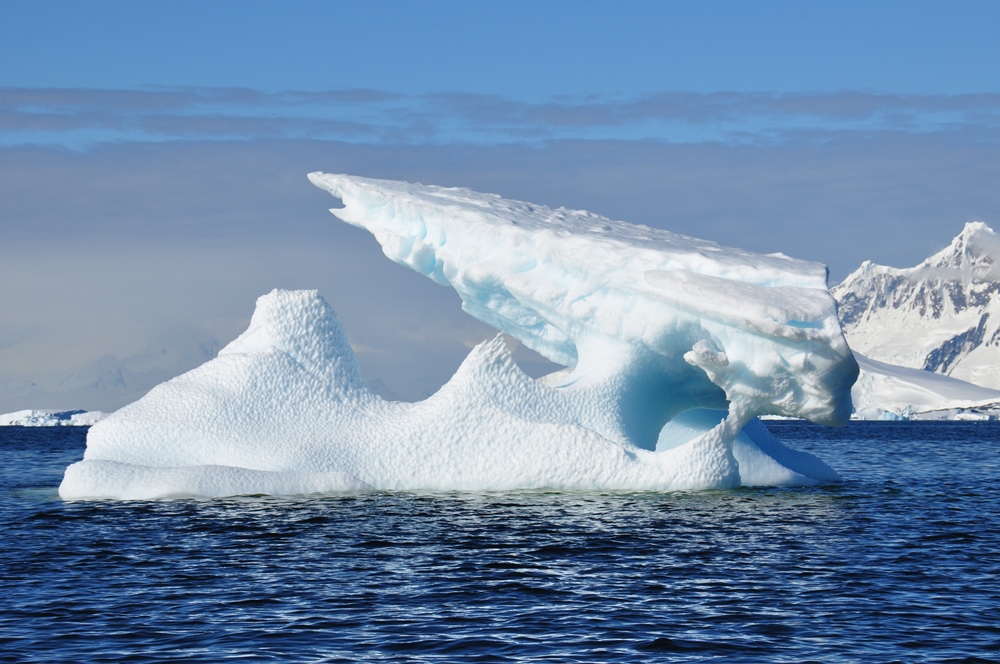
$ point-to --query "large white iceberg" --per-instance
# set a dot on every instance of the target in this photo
(673, 345)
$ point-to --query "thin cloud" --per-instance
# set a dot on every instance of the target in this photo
(228, 126)
(54, 116)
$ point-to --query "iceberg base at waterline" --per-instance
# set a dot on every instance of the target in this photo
(283, 410)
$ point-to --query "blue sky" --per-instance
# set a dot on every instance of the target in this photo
(153, 154)
(524, 50)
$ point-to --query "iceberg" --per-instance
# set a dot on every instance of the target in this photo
(673, 347)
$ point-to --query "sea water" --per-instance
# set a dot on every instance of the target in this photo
(899, 562)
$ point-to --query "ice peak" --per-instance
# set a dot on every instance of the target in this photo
(976, 251)
(972, 256)
(976, 227)
(301, 325)
(976, 235)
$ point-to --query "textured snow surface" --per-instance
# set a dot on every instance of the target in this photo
(657, 327)
(942, 315)
(282, 410)
(52, 418)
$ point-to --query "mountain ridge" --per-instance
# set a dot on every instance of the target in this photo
(942, 315)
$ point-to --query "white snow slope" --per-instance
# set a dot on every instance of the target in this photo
(942, 315)
(891, 392)
(656, 327)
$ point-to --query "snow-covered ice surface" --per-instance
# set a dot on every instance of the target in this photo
(891, 392)
(52, 418)
(656, 328)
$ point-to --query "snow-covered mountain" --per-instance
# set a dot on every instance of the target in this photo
(941, 316)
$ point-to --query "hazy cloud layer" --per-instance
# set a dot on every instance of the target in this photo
(81, 117)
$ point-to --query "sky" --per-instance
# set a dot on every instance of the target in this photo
(153, 156)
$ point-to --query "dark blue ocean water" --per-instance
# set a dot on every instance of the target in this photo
(900, 562)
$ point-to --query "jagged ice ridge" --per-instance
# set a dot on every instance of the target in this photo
(673, 346)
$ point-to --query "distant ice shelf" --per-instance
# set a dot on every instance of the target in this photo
(672, 345)
(51, 418)
(890, 392)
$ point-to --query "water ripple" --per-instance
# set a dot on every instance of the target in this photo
(898, 563)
